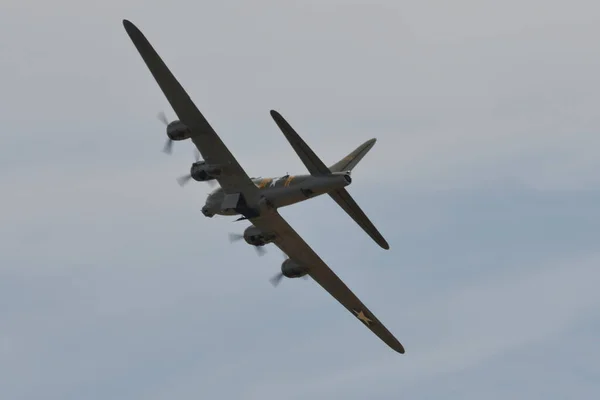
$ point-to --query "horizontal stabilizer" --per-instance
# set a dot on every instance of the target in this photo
(316, 167)
(312, 162)
(344, 200)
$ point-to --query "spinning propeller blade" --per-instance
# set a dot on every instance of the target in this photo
(235, 237)
(183, 180)
(162, 117)
(276, 279)
(168, 148)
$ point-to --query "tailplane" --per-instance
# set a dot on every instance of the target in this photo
(316, 167)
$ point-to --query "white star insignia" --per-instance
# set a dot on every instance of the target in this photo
(274, 181)
(361, 315)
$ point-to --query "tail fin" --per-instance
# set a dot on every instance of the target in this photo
(316, 167)
(351, 160)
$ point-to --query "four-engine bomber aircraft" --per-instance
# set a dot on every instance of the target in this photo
(257, 200)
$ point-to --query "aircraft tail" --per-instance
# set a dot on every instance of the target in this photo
(351, 160)
(316, 167)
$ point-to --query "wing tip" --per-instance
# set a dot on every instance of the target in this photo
(275, 115)
(382, 243)
(397, 346)
(131, 29)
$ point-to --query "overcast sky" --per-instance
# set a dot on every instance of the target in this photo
(484, 180)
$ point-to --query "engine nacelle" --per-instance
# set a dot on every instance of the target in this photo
(291, 269)
(177, 130)
(256, 237)
(202, 172)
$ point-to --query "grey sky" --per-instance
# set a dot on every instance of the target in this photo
(113, 285)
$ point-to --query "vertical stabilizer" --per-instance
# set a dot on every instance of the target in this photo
(351, 160)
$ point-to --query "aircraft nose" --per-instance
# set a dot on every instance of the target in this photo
(206, 211)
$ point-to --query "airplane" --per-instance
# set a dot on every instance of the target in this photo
(257, 199)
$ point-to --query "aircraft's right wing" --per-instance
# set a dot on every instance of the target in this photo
(213, 150)
(299, 251)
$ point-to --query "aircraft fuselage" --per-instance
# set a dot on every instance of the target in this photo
(282, 191)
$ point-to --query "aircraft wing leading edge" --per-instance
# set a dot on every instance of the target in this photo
(299, 251)
(210, 146)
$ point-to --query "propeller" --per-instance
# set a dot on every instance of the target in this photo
(183, 180)
(169, 143)
(162, 116)
(235, 237)
(276, 279)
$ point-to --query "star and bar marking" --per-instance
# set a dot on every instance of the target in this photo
(361, 315)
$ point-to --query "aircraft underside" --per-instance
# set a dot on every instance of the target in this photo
(252, 198)
(273, 195)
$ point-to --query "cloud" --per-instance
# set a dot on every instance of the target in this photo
(470, 325)
(483, 180)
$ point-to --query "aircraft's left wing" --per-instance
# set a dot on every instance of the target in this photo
(299, 251)
(212, 149)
